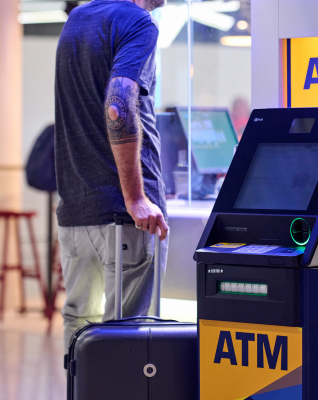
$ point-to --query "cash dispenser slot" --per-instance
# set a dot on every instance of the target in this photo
(253, 289)
(273, 300)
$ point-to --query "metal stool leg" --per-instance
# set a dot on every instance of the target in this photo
(4, 265)
(37, 264)
(57, 287)
(19, 266)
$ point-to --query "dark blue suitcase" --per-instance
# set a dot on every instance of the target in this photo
(132, 358)
(129, 360)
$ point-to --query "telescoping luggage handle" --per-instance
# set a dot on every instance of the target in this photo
(119, 269)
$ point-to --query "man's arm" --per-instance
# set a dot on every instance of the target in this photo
(125, 136)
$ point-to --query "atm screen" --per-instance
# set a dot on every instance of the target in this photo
(213, 138)
(280, 177)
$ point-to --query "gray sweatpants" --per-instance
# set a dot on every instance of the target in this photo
(88, 263)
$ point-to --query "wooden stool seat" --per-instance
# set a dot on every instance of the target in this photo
(17, 214)
(32, 271)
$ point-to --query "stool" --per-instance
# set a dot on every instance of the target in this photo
(25, 272)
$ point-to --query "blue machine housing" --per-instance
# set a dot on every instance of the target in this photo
(269, 198)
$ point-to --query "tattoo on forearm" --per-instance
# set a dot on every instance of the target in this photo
(121, 111)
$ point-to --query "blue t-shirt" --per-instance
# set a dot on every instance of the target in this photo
(101, 40)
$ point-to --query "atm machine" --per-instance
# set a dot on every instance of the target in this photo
(257, 266)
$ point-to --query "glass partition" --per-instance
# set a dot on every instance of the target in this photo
(203, 93)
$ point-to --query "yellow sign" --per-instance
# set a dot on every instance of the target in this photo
(239, 360)
(228, 245)
(303, 72)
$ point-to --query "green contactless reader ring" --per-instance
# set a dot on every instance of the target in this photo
(300, 231)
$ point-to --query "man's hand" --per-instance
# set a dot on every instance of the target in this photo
(147, 216)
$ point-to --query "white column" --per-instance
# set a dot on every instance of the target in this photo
(298, 18)
(11, 172)
(10, 104)
(265, 54)
(273, 20)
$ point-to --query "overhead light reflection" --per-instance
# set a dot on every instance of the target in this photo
(221, 6)
(236, 41)
(242, 25)
(201, 13)
(46, 5)
(42, 17)
(173, 17)
(171, 20)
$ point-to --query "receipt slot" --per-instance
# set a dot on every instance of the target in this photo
(257, 266)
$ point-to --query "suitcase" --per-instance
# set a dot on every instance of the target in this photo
(140, 358)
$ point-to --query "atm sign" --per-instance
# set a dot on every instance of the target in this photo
(238, 360)
(302, 72)
(225, 349)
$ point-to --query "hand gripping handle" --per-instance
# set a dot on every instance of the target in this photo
(119, 268)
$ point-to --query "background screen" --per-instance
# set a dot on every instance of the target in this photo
(213, 139)
(280, 177)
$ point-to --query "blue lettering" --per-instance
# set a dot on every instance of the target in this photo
(245, 337)
(310, 79)
(263, 345)
(280, 345)
(230, 354)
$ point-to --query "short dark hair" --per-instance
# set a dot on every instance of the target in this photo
(70, 5)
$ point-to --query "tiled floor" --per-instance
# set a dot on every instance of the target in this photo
(31, 363)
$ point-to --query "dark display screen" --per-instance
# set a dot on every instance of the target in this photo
(280, 177)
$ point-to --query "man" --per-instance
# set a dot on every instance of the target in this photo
(107, 157)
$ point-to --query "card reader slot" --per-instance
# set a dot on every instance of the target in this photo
(262, 229)
(236, 229)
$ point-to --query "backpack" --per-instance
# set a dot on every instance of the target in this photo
(40, 168)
